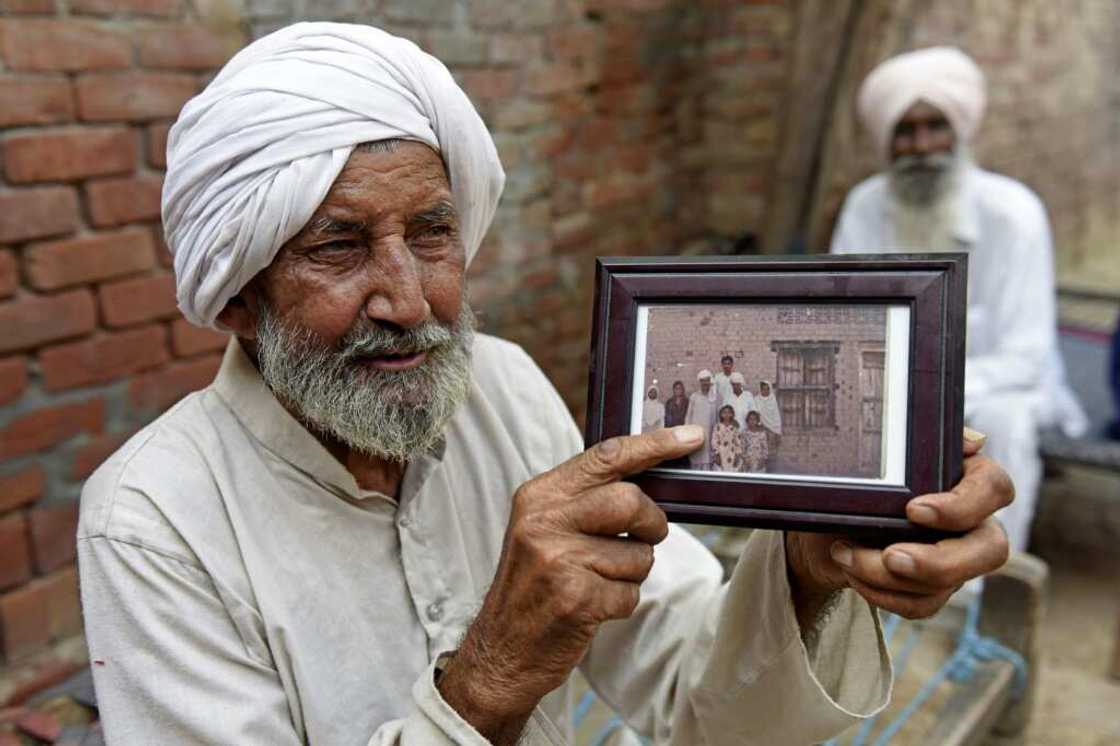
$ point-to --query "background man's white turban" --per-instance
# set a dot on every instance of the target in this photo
(252, 156)
(943, 76)
(703, 374)
(737, 377)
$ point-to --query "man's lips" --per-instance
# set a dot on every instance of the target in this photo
(394, 362)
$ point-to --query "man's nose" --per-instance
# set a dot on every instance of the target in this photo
(923, 140)
(397, 295)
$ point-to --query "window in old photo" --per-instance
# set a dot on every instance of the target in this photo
(792, 391)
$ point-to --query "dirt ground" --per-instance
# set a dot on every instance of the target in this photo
(1078, 704)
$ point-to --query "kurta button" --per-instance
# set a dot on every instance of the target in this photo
(404, 522)
(435, 611)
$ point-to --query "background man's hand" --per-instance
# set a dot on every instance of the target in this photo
(911, 579)
(564, 570)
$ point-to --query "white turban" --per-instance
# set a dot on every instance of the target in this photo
(945, 77)
(703, 374)
(737, 377)
(252, 156)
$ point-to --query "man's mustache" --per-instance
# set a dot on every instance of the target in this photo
(939, 162)
(378, 341)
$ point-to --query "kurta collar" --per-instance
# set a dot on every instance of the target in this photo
(240, 385)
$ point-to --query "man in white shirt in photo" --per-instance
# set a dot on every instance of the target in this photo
(377, 526)
(923, 110)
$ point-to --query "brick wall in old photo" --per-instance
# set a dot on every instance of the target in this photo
(91, 343)
(683, 340)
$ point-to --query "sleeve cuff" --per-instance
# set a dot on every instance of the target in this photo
(764, 667)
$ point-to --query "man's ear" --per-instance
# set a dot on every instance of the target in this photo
(241, 314)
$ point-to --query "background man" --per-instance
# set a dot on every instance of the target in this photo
(922, 110)
(378, 527)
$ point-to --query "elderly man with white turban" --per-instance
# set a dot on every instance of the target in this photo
(377, 527)
(923, 110)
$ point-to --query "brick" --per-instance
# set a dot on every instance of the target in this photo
(9, 273)
(121, 200)
(44, 428)
(133, 96)
(27, 7)
(488, 84)
(37, 212)
(61, 46)
(39, 99)
(101, 256)
(13, 379)
(63, 604)
(22, 487)
(184, 48)
(53, 530)
(92, 454)
(157, 144)
(428, 12)
(24, 622)
(31, 321)
(104, 358)
(457, 47)
(127, 302)
(160, 8)
(15, 560)
(188, 339)
(69, 154)
(159, 390)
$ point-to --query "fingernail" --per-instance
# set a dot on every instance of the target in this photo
(900, 563)
(841, 553)
(610, 448)
(688, 433)
(974, 436)
(922, 513)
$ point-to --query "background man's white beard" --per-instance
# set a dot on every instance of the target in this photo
(394, 415)
(926, 207)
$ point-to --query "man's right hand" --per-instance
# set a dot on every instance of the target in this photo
(565, 568)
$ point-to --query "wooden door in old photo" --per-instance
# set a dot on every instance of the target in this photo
(872, 365)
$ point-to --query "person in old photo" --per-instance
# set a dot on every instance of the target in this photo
(380, 526)
(741, 401)
(703, 408)
(653, 411)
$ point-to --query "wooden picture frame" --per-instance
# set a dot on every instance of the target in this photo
(922, 299)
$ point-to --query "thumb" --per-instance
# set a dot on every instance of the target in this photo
(973, 441)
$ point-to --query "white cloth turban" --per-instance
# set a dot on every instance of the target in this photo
(252, 156)
(703, 374)
(737, 377)
(945, 77)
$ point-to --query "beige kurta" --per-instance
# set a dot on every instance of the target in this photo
(239, 588)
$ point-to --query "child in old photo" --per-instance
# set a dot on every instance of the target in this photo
(727, 441)
(756, 447)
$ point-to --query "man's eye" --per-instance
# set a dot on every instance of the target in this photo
(439, 230)
(333, 247)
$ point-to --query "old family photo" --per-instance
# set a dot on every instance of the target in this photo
(798, 390)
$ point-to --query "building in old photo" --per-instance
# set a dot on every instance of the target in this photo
(826, 363)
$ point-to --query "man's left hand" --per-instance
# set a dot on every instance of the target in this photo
(911, 579)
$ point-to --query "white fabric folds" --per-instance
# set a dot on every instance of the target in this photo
(252, 156)
(943, 76)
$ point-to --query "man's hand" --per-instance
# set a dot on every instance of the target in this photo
(565, 568)
(911, 579)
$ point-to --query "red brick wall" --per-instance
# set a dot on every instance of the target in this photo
(91, 344)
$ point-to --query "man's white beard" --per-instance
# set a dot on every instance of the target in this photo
(394, 415)
(926, 204)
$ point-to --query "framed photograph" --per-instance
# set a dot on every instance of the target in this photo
(830, 388)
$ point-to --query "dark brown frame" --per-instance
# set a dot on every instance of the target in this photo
(934, 287)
